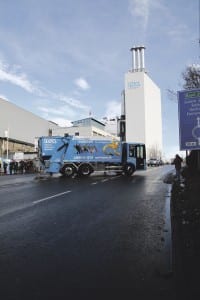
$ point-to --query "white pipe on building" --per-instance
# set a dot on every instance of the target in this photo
(142, 58)
(134, 58)
(138, 59)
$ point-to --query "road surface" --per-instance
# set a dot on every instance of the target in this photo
(95, 232)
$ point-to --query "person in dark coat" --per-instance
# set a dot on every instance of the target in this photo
(178, 164)
(5, 167)
(11, 167)
(15, 167)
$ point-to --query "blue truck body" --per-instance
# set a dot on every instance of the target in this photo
(69, 155)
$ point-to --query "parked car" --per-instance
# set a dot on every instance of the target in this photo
(153, 162)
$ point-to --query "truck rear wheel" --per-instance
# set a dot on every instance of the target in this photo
(85, 170)
(129, 169)
(68, 170)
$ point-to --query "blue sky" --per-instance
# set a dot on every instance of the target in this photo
(63, 59)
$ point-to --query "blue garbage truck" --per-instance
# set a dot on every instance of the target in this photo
(71, 155)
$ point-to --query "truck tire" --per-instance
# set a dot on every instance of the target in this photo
(85, 170)
(68, 170)
(129, 169)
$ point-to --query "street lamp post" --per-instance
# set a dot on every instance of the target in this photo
(7, 137)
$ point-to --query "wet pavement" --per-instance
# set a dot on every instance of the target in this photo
(185, 207)
(96, 232)
(18, 178)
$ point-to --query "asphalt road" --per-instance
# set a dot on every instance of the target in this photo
(96, 232)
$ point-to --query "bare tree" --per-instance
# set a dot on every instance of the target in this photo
(154, 152)
(191, 77)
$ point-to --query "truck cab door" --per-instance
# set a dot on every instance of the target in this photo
(140, 157)
(137, 154)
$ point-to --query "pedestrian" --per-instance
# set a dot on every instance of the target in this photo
(5, 165)
(15, 167)
(11, 167)
(21, 166)
(178, 163)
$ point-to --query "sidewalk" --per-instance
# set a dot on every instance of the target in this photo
(185, 219)
(18, 178)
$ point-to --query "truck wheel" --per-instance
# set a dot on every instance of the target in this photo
(68, 170)
(85, 170)
(129, 169)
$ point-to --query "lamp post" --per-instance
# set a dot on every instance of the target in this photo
(7, 137)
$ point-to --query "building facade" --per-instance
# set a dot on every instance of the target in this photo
(19, 129)
(141, 107)
(88, 127)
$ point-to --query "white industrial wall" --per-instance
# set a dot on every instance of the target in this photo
(153, 115)
(143, 110)
(23, 125)
(134, 107)
(84, 131)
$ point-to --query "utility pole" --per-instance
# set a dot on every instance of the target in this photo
(7, 137)
(199, 29)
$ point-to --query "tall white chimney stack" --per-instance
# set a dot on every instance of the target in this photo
(138, 58)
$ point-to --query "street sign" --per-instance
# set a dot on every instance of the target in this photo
(189, 119)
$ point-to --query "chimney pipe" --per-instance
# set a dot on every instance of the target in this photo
(137, 58)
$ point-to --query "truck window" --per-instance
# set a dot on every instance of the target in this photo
(140, 151)
(132, 151)
(137, 151)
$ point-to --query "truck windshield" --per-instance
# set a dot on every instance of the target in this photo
(137, 151)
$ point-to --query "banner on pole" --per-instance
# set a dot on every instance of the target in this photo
(189, 119)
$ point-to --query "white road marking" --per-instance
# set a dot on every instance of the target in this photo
(104, 180)
(50, 197)
(93, 183)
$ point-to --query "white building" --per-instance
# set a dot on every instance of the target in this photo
(111, 125)
(88, 127)
(141, 107)
(20, 128)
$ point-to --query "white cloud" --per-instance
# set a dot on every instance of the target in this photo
(179, 32)
(72, 102)
(18, 79)
(53, 111)
(62, 122)
(82, 83)
(4, 97)
(140, 9)
(113, 109)
(15, 77)
(61, 114)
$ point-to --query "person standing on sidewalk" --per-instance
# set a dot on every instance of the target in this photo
(5, 165)
(11, 167)
(178, 163)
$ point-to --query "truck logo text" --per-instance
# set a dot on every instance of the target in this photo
(50, 141)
